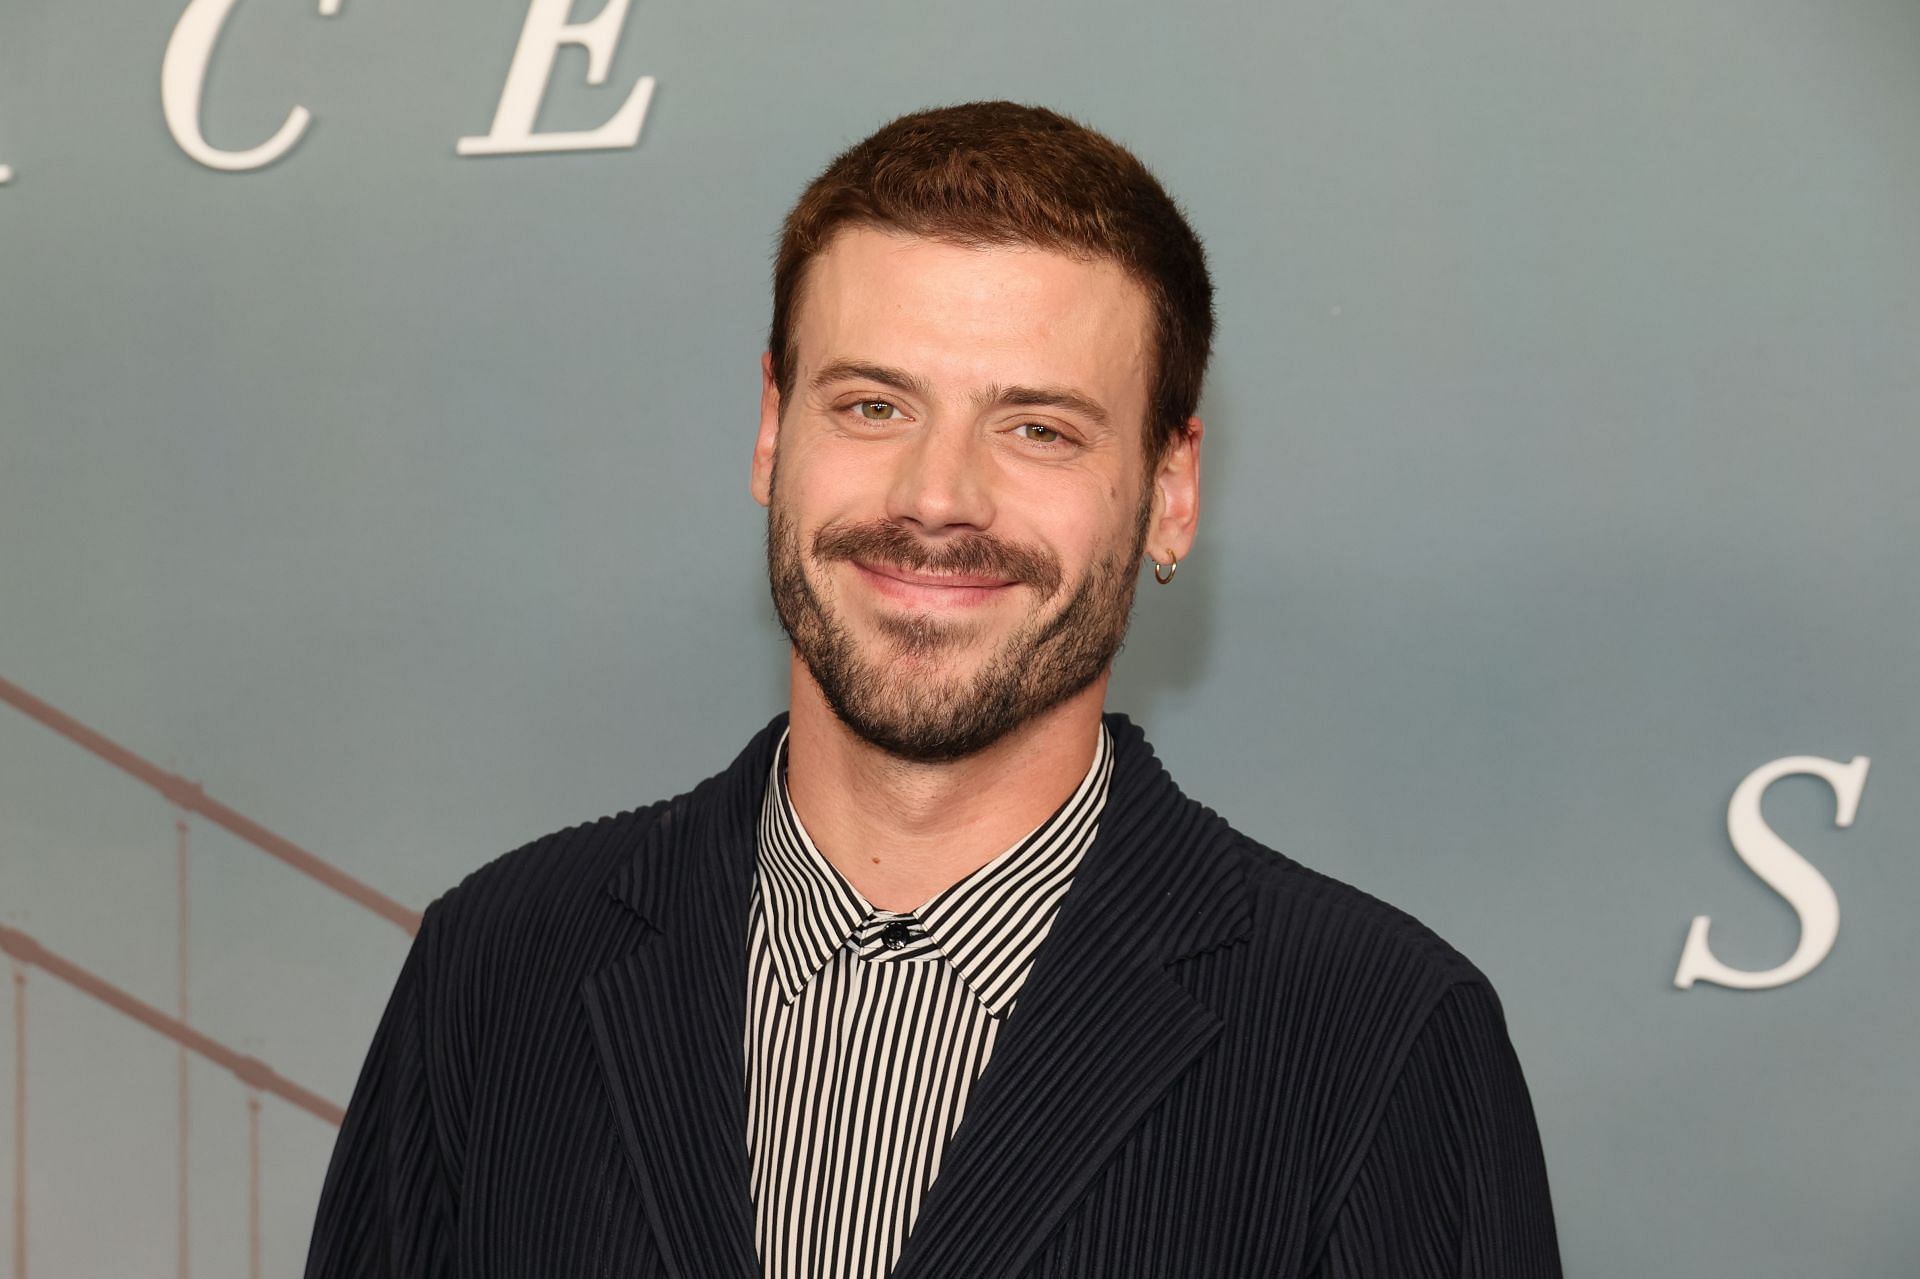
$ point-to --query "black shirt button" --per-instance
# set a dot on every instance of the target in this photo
(896, 935)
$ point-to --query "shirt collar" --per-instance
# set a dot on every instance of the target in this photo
(989, 926)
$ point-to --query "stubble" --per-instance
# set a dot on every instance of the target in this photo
(896, 696)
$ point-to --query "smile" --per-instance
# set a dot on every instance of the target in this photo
(931, 590)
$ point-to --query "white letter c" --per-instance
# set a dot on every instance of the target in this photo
(183, 76)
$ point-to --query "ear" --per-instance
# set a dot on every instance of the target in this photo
(1176, 496)
(761, 484)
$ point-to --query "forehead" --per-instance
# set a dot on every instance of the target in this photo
(963, 317)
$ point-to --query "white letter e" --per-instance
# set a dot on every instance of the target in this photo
(546, 29)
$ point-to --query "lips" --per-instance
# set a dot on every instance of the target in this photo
(915, 577)
(970, 567)
(935, 590)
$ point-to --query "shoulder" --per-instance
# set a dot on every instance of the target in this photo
(1345, 916)
(566, 877)
(556, 874)
(1313, 939)
(1341, 994)
(537, 916)
(584, 891)
(1213, 886)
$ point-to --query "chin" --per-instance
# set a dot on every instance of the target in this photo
(925, 638)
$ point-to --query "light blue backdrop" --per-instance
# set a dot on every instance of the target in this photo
(1561, 469)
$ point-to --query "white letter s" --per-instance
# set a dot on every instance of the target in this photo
(1783, 869)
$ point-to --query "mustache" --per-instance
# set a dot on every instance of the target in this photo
(973, 554)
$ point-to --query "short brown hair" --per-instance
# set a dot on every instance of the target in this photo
(1003, 173)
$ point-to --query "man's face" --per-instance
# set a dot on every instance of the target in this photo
(957, 486)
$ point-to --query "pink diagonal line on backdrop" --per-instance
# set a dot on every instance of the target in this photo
(251, 1070)
(19, 1121)
(188, 795)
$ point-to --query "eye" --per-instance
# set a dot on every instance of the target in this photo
(886, 411)
(1039, 433)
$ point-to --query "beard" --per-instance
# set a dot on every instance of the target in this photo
(896, 696)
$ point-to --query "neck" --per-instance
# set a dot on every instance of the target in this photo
(902, 831)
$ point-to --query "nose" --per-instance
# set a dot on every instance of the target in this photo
(942, 481)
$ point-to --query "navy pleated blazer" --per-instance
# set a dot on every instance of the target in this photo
(1223, 1064)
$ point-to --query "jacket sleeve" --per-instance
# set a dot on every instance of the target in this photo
(386, 1208)
(1453, 1184)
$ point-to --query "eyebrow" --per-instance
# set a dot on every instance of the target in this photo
(1032, 397)
(859, 371)
(1042, 397)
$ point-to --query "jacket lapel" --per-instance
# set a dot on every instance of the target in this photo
(668, 1018)
(1099, 1034)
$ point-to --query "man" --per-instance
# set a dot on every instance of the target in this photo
(944, 976)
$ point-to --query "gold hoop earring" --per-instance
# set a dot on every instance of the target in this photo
(1172, 566)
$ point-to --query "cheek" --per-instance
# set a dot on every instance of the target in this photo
(818, 487)
(1085, 531)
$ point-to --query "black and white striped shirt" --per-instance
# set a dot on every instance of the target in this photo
(867, 1028)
